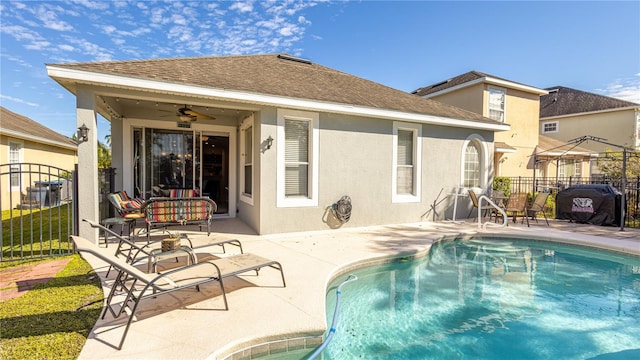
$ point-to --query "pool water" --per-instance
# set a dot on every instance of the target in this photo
(492, 299)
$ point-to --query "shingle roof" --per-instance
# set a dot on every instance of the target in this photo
(30, 129)
(275, 75)
(458, 80)
(563, 101)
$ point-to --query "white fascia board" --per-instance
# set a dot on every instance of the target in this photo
(499, 149)
(512, 85)
(636, 108)
(37, 139)
(492, 81)
(263, 99)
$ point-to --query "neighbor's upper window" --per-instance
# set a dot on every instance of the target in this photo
(497, 100)
(550, 127)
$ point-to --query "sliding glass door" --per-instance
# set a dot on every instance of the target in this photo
(174, 159)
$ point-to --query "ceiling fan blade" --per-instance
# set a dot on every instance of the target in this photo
(197, 115)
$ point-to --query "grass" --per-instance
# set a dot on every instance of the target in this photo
(52, 320)
(28, 234)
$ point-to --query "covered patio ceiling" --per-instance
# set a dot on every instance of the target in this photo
(168, 109)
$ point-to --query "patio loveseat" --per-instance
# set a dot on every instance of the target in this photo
(164, 211)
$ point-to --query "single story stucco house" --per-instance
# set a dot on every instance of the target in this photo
(276, 140)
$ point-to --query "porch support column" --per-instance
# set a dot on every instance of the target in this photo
(87, 163)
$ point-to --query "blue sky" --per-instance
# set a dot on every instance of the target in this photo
(591, 46)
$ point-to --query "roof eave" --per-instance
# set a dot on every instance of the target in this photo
(492, 81)
(62, 73)
(634, 107)
(38, 139)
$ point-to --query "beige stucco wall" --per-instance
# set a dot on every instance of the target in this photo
(521, 113)
(355, 159)
(617, 127)
(470, 98)
(36, 153)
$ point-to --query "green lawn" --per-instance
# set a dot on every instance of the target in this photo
(53, 320)
(29, 234)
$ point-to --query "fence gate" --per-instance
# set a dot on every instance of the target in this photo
(36, 202)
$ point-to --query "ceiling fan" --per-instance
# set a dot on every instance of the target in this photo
(186, 114)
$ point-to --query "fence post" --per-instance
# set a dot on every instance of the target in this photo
(76, 211)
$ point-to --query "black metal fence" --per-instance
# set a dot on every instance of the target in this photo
(36, 202)
(553, 185)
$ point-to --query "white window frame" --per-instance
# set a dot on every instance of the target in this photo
(314, 146)
(562, 168)
(11, 160)
(416, 129)
(544, 130)
(482, 156)
(504, 105)
(246, 127)
(577, 168)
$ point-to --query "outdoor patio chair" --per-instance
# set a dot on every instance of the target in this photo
(517, 203)
(538, 206)
(474, 200)
(126, 206)
(206, 268)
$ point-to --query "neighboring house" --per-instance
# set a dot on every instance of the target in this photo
(557, 159)
(567, 114)
(276, 140)
(503, 100)
(23, 140)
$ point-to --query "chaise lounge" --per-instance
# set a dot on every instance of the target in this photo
(129, 277)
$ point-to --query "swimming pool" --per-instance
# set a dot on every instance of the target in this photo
(492, 299)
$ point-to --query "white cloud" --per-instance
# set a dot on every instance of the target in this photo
(50, 20)
(627, 89)
(17, 60)
(242, 7)
(19, 101)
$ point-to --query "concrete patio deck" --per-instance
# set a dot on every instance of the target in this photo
(264, 317)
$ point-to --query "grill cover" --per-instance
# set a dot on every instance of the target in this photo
(596, 204)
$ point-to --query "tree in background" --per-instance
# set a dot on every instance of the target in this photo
(104, 151)
(610, 163)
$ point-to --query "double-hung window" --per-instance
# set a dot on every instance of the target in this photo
(297, 148)
(246, 144)
(407, 168)
(15, 152)
(497, 100)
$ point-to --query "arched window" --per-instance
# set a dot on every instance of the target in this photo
(471, 165)
(474, 162)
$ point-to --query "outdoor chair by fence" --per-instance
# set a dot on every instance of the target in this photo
(126, 206)
(538, 206)
(517, 203)
(171, 279)
(481, 211)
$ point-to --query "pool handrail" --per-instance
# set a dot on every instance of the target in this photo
(500, 209)
(334, 323)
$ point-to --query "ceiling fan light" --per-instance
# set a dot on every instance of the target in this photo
(186, 118)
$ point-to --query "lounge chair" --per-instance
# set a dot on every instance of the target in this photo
(538, 206)
(171, 279)
(132, 251)
(474, 200)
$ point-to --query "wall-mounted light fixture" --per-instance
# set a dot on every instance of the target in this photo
(269, 142)
(83, 133)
